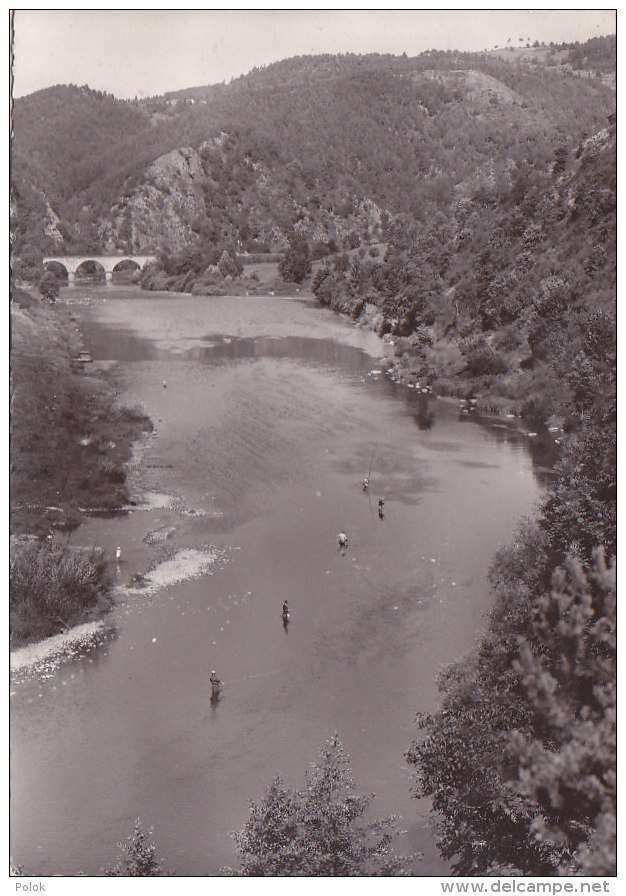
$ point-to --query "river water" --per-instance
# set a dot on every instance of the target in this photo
(268, 413)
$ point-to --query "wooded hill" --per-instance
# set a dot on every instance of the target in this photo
(496, 296)
(308, 139)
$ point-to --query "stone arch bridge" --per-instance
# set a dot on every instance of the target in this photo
(108, 263)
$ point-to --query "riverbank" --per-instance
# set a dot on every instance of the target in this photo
(257, 278)
(69, 446)
(429, 361)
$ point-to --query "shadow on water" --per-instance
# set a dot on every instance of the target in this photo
(539, 443)
(109, 344)
(536, 441)
(425, 414)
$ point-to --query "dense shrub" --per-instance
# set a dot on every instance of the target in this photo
(296, 263)
(482, 360)
(229, 266)
(48, 286)
(51, 587)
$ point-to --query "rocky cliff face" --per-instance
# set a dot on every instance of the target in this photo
(217, 194)
(161, 209)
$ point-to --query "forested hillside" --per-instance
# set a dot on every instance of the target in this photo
(306, 138)
(496, 298)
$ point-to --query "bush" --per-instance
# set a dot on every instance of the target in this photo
(229, 266)
(137, 857)
(508, 339)
(48, 286)
(481, 359)
(50, 588)
(296, 263)
(22, 297)
(319, 250)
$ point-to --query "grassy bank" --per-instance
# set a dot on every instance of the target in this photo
(69, 446)
(69, 441)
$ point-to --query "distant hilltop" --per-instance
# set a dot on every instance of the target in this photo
(332, 146)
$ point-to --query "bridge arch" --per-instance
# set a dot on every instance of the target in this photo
(57, 268)
(127, 261)
(106, 263)
(91, 266)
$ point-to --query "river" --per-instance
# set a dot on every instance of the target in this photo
(268, 413)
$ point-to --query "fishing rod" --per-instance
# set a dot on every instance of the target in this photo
(371, 465)
(249, 677)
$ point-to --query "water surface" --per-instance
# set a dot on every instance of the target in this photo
(268, 413)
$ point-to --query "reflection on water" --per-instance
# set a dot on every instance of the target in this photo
(425, 415)
(541, 447)
(119, 345)
(115, 344)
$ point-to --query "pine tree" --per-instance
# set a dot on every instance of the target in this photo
(318, 831)
(137, 858)
(568, 766)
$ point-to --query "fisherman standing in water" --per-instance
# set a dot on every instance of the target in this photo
(366, 483)
(381, 504)
(215, 689)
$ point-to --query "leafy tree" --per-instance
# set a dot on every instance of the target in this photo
(353, 240)
(229, 266)
(318, 831)
(137, 857)
(568, 670)
(529, 717)
(296, 262)
(580, 512)
(482, 360)
(463, 762)
(561, 154)
(48, 286)
(27, 265)
(520, 759)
